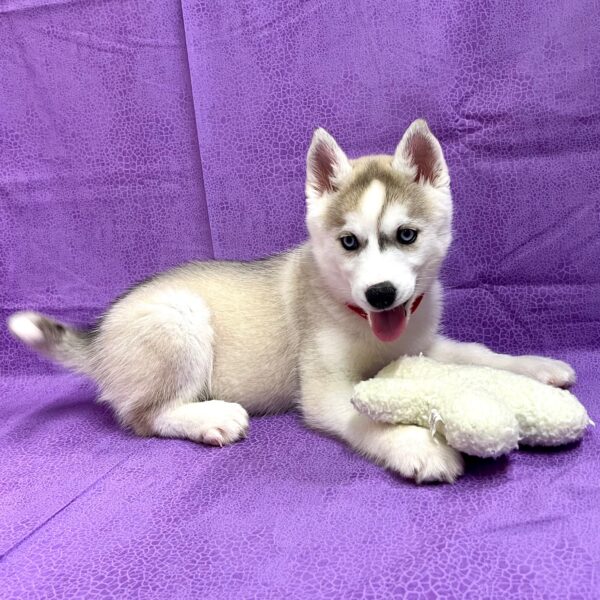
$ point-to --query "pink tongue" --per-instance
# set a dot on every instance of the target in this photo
(389, 324)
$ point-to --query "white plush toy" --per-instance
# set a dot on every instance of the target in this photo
(480, 411)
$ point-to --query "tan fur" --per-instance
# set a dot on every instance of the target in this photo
(398, 187)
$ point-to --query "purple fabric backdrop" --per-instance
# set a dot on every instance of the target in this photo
(135, 135)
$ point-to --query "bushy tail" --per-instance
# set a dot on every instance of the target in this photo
(60, 342)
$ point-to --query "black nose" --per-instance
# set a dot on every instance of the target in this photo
(381, 295)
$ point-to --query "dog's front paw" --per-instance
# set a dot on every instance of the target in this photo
(547, 370)
(414, 454)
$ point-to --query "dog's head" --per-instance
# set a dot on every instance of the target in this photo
(380, 226)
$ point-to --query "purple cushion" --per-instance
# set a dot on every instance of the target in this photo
(136, 135)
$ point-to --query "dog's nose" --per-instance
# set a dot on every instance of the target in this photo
(381, 295)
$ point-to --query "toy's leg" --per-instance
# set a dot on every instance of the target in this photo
(408, 450)
(546, 370)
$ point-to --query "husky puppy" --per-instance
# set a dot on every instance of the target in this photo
(190, 352)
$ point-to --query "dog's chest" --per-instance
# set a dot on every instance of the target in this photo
(362, 356)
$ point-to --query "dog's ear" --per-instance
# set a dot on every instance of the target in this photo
(326, 165)
(419, 155)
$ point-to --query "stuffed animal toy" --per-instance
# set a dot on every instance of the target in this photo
(479, 410)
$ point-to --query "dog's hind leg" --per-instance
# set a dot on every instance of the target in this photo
(153, 360)
(213, 422)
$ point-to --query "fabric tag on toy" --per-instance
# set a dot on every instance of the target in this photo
(436, 424)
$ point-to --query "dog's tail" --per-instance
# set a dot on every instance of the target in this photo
(62, 343)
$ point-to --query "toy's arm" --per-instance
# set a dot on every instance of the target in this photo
(396, 401)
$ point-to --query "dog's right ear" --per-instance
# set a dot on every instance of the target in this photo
(326, 165)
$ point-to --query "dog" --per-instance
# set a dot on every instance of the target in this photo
(191, 352)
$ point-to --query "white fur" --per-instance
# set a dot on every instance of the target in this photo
(370, 208)
(212, 422)
(168, 344)
(373, 266)
(325, 246)
(395, 216)
(24, 326)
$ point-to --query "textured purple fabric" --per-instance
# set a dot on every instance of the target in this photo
(135, 135)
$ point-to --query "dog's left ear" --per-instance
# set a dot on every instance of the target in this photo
(326, 165)
(419, 155)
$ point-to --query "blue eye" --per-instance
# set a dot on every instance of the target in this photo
(407, 236)
(349, 242)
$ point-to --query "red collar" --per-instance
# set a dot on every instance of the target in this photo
(361, 313)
